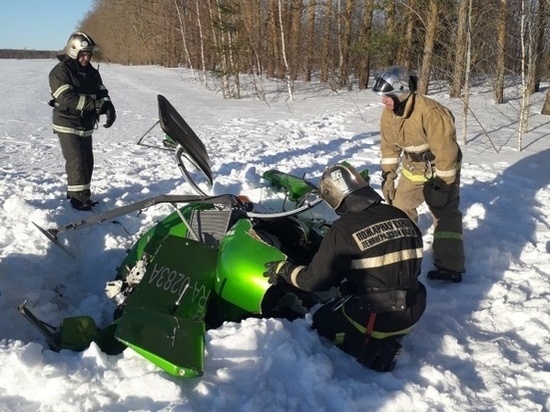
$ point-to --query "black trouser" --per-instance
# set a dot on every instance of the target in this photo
(79, 164)
(337, 323)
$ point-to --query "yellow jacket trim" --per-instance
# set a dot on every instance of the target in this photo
(376, 334)
(412, 177)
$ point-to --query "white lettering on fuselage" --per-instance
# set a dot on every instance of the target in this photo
(178, 284)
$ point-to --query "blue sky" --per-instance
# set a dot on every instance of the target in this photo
(39, 24)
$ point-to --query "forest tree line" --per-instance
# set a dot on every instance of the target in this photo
(339, 42)
(27, 54)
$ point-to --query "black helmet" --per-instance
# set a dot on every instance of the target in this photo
(395, 80)
(339, 181)
(79, 41)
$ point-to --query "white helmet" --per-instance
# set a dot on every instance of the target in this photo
(79, 41)
(337, 182)
(395, 80)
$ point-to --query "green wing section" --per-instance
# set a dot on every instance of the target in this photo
(296, 187)
(164, 317)
(174, 344)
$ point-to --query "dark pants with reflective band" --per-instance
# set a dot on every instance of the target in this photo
(345, 326)
(448, 249)
(79, 164)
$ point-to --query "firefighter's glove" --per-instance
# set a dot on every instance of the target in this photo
(276, 270)
(436, 192)
(388, 186)
(110, 112)
(98, 106)
(103, 105)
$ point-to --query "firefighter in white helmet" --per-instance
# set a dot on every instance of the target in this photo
(79, 97)
(418, 141)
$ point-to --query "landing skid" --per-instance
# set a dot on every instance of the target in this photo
(51, 235)
(49, 332)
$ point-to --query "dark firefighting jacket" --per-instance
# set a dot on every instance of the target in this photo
(76, 91)
(373, 253)
(378, 248)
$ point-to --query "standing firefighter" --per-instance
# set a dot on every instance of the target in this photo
(79, 97)
(373, 252)
(420, 134)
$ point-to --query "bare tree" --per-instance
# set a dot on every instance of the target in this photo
(218, 43)
(528, 67)
(544, 16)
(364, 42)
(501, 53)
(311, 38)
(345, 41)
(273, 57)
(277, 38)
(523, 114)
(467, 35)
(184, 37)
(391, 31)
(326, 43)
(254, 30)
(407, 45)
(542, 23)
(464, 12)
(294, 52)
(202, 45)
(429, 40)
(229, 30)
(288, 77)
(546, 106)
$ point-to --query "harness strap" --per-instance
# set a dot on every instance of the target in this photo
(370, 324)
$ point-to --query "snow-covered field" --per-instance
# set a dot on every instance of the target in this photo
(482, 345)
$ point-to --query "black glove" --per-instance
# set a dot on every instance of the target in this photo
(388, 186)
(109, 110)
(104, 105)
(98, 107)
(436, 192)
(276, 270)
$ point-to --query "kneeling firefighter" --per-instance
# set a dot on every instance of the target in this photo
(373, 253)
